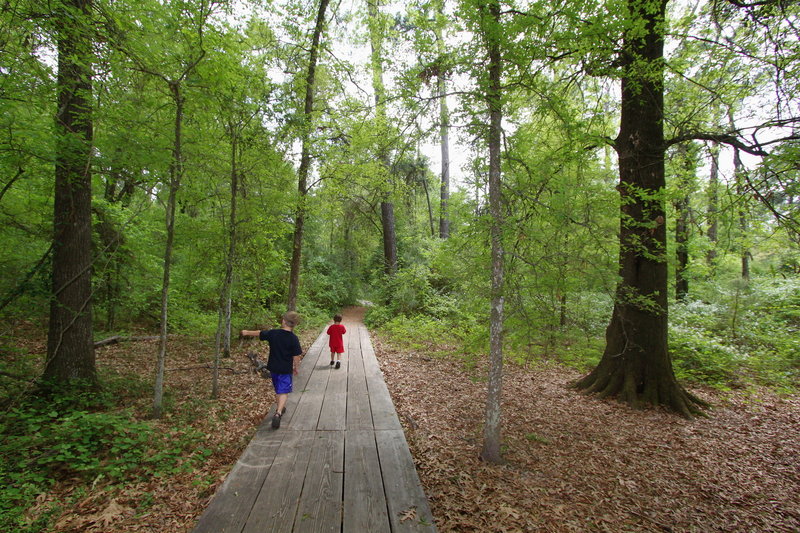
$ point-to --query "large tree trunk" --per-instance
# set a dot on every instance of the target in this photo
(491, 434)
(389, 237)
(305, 159)
(636, 366)
(387, 206)
(70, 347)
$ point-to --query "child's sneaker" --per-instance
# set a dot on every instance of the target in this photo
(276, 421)
(331, 363)
(338, 364)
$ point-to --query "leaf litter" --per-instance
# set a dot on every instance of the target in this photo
(577, 463)
(572, 462)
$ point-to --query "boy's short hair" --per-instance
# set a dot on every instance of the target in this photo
(337, 318)
(291, 318)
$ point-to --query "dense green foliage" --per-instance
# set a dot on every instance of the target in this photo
(65, 435)
(732, 175)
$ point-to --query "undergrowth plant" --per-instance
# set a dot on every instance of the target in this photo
(727, 336)
(63, 435)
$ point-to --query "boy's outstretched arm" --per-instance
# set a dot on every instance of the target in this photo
(249, 333)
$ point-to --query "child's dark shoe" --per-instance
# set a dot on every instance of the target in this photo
(338, 364)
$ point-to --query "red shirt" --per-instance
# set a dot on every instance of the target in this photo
(336, 331)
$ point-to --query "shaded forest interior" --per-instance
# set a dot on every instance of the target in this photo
(602, 195)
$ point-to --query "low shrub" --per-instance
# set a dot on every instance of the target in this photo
(54, 436)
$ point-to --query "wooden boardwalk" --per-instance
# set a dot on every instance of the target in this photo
(338, 463)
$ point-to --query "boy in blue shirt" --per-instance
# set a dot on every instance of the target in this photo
(284, 359)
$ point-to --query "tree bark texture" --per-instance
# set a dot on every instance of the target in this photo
(389, 237)
(682, 248)
(176, 175)
(444, 141)
(430, 207)
(491, 435)
(223, 341)
(70, 347)
(305, 159)
(713, 202)
(741, 191)
(682, 214)
(387, 206)
(636, 366)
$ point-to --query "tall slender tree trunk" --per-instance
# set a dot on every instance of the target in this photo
(430, 207)
(387, 206)
(686, 179)
(682, 247)
(491, 434)
(305, 158)
(713, 207)
(636, 366)
(444, 141)
(744, 229)
(231, 259)
(223, 341)
(110, 239)
(70, 346)
(175, 178)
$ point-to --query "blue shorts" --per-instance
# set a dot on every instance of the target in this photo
(282, 383)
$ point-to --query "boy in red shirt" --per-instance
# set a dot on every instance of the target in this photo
(335, 331)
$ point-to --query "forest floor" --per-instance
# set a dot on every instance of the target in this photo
(573, 463)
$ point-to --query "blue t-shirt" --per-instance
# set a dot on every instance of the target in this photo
(283, 346)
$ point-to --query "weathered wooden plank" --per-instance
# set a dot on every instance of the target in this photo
(384, 415)
(354, 480)
(306, 412)
(316, 351)
(359, 414)
(364, 500)
(334, 407)
(355, 359)
(408, 506)
(275, 508)
(320, 507)
(230, 507)
(371, 367)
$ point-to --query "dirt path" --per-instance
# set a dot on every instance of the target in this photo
(353, 314)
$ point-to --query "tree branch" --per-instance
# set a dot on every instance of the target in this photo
(725, 138)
